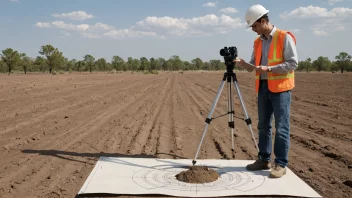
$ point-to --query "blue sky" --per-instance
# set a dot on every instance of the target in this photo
(163, 28)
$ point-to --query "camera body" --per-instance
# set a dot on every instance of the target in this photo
(229, 54)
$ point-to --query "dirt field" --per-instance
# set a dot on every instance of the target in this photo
(53, 128)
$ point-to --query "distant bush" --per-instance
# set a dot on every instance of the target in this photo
(112, 71)
(150, 72)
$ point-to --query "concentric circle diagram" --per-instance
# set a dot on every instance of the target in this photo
(230, 179)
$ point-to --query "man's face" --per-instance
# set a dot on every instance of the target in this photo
(257, 27)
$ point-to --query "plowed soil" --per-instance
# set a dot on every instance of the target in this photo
(53, 128)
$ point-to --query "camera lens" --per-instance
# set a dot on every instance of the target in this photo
(222, 52)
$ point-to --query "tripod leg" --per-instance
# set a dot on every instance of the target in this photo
(248, 120)
(231, 113)
(208, 119)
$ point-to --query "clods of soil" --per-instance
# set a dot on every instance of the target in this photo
(198, 174)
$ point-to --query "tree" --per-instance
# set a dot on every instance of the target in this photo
(157, 64)
(79, 64)
(304, 65)
(206, 66)
(64, 65)
(89, 60)
(135, 64)
(101, 63)
(26, 63)
(343, 60)
(176, 62)
(145, 64)
(168, 65)
(10, 58)
(334, 67)
(187, 65)
(322, 63)
(130, 63)
(198, 63)
(40, 64)
(53, 56)
(349, 66)
(2, 66)
(71, 64)
(308, 64)
(216, 64)
(153, 64)
(117, 63)
(162, 64)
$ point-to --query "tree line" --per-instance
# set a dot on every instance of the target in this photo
(342, 63)
(51, 59)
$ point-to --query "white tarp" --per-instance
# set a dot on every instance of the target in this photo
(157, 176)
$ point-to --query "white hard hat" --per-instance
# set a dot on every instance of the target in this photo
(254, 13)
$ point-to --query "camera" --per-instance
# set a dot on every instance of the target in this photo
(229, 54)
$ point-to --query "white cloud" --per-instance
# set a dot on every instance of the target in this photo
(342, 12)
(152, 26)
(42, 25)
(207, 20)
(16, 1)
(164, 22)
(120, 34)
(229, 10)
(227, 21)
(97, 30)
(322, 20)
(317, 12)
(77, 15)
(320, 32)
(70, 26)
(210, 4)
(307, 12)
(204, 25)
(102, 26)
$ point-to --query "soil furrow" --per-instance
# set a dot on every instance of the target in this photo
(64, 123)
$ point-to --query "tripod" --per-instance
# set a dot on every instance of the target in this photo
(229, 76)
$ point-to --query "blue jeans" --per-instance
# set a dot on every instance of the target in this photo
(278, 104)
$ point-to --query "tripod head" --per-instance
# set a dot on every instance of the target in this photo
(229, 54)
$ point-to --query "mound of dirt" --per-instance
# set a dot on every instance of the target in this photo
(198, 174)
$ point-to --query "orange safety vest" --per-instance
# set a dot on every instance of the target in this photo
(276, 82)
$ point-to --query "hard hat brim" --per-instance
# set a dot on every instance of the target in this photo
(267, 11)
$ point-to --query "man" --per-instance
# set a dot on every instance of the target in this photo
(274, 60)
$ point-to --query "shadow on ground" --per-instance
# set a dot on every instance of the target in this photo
(67, 154)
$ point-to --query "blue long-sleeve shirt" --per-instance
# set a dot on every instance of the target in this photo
(290, 55)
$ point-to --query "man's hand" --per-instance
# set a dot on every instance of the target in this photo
(261, 69)
(243, 64)
(240, 62)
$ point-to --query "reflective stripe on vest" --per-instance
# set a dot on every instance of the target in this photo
(289, 75)
(274, 59)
